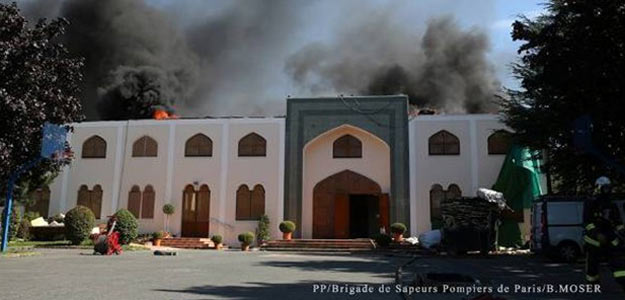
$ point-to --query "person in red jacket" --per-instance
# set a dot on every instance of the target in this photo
(604, 232)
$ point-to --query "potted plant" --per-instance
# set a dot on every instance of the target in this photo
(246, 239)
(398, 229)
(168, 210)
(217, 240)
(157, 237)
(287, 228)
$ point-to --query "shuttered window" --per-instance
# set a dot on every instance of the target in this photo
(437, 195)
(94, 147)
(145, 147)
(198, 145)
(141, 204)
(41, 204)
(347, 146)
(147, 203)
(499, 142)
(91, 199)
(443, 143)
(134, 201)
(250, 204)
(252, 145)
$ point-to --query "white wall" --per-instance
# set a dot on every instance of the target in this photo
(171, 171)
(319, 164)
(472, 169)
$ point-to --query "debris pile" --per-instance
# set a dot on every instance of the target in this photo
(468, 212)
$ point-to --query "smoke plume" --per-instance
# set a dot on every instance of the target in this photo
(244, 57)
(446, 68)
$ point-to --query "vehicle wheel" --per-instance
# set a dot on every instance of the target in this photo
(568, 252)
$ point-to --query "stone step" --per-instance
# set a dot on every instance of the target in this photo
(321, 245)
(188, 243)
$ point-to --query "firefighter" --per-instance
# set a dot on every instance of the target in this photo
(604, 232)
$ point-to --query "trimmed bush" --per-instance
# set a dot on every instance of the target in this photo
(169, 209)
(23, 231)
(262, 232)
(78, 224)
(246, 238)
(398, 228)
(31, 215)
(15, 222)
(287, 226)
(127, 226)
(217, 239)
(158, 235)
(383, 240)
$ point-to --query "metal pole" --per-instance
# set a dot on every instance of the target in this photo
(9, 201)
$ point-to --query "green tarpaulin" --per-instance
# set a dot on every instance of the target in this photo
(519, 182)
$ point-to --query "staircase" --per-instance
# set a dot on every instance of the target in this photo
(320, 245)
(188, 243)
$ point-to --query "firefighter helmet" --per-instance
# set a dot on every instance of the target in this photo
(603, 184)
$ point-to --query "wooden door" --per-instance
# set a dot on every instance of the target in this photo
(195, 212)
(341, 216)
(384, 212)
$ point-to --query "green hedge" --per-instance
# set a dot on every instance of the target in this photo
(246, 238)
(399, 228)
(78, 224)
(217, 239)
(127, 226)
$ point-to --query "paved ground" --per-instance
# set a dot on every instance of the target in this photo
(68, 274)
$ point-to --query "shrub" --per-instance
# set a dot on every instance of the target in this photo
(398, 228)
(262, 232)
(168, 209)
(217, 239)
(246, 238)
(287, 226)
(78, 224)
(383, 240)
(23, 231)
(158, 235)
(127, 226)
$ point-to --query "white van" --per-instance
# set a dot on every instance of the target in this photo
(557, 226)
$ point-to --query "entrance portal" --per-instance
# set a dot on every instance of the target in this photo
(195, 211)
(348, 205)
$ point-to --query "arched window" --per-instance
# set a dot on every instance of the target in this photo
(147, 203)
(444, 143)
(41, 202)
(250, 204)
(347, 146)
(499, 142)
(94, 147)
(252, 145)
(134, 201)
(198, 145)
(453, 192)
(243, 203)
(257, 200)
(437, 195)
(91, 199)
(145, 147)
(96, 201)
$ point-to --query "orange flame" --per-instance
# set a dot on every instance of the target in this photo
(160, 114)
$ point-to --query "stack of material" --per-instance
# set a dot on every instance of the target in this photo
(476, 213)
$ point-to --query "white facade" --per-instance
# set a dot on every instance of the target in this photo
(170, 171)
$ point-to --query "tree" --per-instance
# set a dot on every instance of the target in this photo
(571, 65)
(38, 83)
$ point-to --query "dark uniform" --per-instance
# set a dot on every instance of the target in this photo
(603, 227)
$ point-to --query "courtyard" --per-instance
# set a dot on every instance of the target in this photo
(197, 274)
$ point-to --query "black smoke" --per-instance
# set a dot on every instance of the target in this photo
(446, 68)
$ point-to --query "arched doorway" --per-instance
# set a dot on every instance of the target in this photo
(195, 211)
(348, 205)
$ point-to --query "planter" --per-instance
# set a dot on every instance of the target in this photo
(219, 246)
(245, 247)
(398, 237)
(287, 235)
(157, 242)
